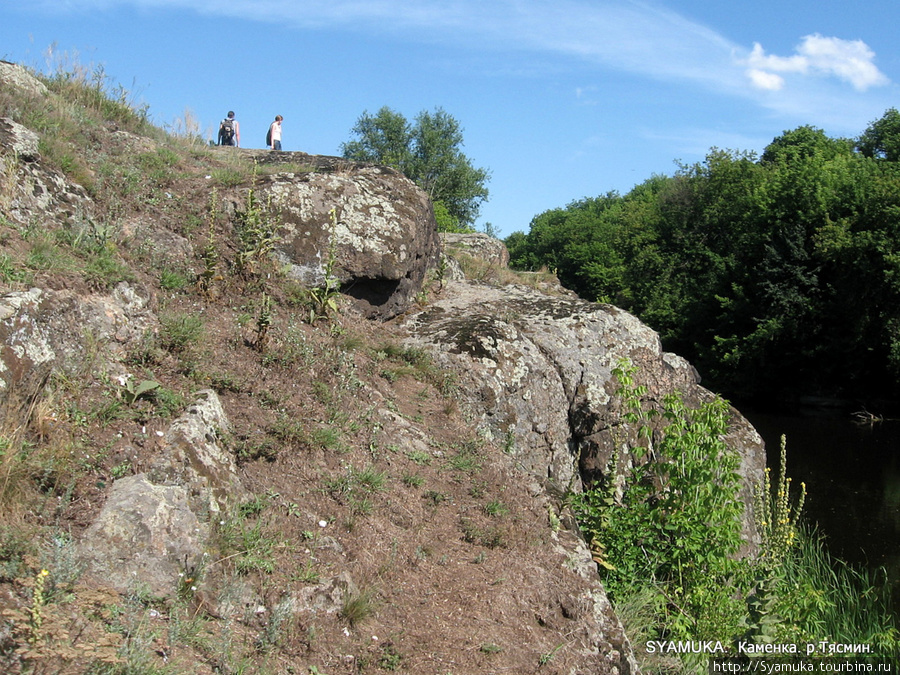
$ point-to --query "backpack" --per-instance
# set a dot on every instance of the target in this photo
(269, 137)
(226, 131)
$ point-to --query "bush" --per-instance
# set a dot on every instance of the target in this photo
(666, 547)
(678, 520)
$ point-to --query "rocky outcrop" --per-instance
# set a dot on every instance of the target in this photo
(31, 193)
(538, 370)
(42, 330)
(155, 526)
(533, 370)
(194, 456)
(477, 245)
(145, 536)
(14, 75)
(370, 227)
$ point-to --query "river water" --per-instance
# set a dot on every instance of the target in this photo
(852, 475)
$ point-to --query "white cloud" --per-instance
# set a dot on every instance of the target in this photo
(849, 60)
(765, 80)
(634, 36)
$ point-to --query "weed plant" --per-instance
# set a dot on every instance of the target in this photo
(666, 545)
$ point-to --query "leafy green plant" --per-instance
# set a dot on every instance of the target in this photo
(210, 252)
(133, 390)
(263, 322)
(172, 280)
(256, 228)
(323, 300)
(678, 521)
(389, 658)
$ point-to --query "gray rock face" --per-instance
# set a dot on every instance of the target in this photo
(14, 75)
(539, 371)
(193, 457)
(155, 526)
(21, 141)
(381, 238)
(145, 536)
(42, 330)
(477, 245)
(31, 193)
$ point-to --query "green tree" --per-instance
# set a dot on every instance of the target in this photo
(882, 138)
(773, 276)
(385, 138)
(429, 152)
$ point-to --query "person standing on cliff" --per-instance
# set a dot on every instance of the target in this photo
(230, 131)
(275, 133)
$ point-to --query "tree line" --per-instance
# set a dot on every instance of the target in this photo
(776, 275)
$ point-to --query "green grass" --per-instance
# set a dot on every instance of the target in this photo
(412, 480)
(821, 595)
(178, 331)
(173, 280)
(359, 606)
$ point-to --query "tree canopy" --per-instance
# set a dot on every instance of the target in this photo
(773, 275)
(429, 152)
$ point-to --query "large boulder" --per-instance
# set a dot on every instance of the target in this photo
(477, 245)
(369, 227)
(144, 538)
(194, 456)
(539, 370)
(155, 526)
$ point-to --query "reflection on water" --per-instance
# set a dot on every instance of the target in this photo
(852, 475)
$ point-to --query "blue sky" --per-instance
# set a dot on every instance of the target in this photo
(559, 100)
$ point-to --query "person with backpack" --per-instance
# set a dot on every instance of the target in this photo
(273, 138)
(230, 131)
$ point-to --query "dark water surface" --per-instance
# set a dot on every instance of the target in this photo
(852, 476)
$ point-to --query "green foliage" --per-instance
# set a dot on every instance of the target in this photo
(678, 520)
(248, 544)
(429, 152)
(447, 222)
(256, 228)
(777, 275)
(882, 138)
(323, 301)
(666, 544)
(178, 332)
(133, 390)
(818, 595)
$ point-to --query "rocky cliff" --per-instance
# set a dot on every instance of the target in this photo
(251, 420)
